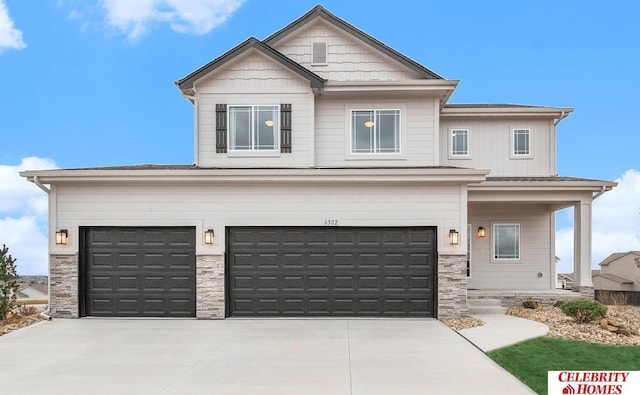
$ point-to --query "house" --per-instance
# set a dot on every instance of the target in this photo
(332, 177)
(619, 272)
(32, 291)
(565, 280)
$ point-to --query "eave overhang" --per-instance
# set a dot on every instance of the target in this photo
(435, 175)
(504, 110)
(186, 84)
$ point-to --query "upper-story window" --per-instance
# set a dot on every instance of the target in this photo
(375, 131)
(460, 142)
(253, 128)
(521, 142)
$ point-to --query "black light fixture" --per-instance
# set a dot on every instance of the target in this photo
(61, 236)
(453, 237)
(482, 232)
(208, 236)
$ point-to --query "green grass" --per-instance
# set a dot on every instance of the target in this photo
(531, 359)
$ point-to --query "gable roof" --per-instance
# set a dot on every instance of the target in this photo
(617, 255)
(251, 43)
(321, 12)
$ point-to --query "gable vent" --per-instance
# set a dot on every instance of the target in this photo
(319, 53)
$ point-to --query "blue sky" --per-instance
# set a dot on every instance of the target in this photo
(90, 83)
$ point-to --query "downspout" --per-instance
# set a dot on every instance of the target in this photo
(603, 190)
(196, 140)
(563, 115)
(45, 314)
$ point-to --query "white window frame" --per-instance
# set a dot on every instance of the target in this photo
(452, 134)
(253, 150)
(516, 155)
(494, 234)
(376, 155)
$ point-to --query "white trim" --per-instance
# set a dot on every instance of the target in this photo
(493, 242)
(253, 151)
(451, 135)
(512, 136)
(469, 250)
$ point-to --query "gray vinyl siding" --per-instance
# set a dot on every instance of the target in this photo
(333, 132)
(535, 247)
(490, 145)
(231, 204)
(348, 59)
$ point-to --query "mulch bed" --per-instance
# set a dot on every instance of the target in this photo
(19, 319)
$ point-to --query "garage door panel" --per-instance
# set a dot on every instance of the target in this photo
(338, 271)
(145, 272)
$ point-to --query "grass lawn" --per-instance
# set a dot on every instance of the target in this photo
(531, 359)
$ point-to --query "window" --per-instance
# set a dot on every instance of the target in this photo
(460, 142)
(506, 241)
(253, 128)
(521, 142)
(375, 131)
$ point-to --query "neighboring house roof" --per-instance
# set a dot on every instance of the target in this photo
(40, 288)
(595, 272)
(617, 255)
(251, 43)
(614, 278)
(320, 12)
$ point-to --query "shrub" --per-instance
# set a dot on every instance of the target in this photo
(8, 283)
(584, 310)
(559, 303)
(530, 304)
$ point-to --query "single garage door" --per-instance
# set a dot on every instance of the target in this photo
(331, 271)
(138, 272)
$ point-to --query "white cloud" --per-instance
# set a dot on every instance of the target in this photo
(184, 16)
(616, 223)
(10, 37)
(23, 216)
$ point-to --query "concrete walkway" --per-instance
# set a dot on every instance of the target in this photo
(502, 330)
(259, 356)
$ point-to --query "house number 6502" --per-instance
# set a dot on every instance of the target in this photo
(331, 222)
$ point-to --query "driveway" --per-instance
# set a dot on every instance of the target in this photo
(236, 356)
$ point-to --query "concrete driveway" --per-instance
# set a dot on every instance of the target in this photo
(234, 356)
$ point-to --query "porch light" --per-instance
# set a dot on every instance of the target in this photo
(453, 237)
(208, 236)
(482, 232)
(268, 122)
(369, 124)
(61, 236)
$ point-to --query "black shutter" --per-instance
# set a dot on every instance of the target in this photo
(285, 128)
(221, 128)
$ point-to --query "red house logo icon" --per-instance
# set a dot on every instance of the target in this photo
(568, 390)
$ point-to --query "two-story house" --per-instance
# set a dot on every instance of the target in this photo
(331, 177)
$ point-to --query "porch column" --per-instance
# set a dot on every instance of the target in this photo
(582, 248)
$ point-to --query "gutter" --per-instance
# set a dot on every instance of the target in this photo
(45, 314)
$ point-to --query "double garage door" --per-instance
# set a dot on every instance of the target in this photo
(271, 271)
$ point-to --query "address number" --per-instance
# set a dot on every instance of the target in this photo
(331, 222)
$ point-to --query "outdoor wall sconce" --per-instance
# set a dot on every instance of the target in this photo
(482, 232)
(453, 237)
(208, 236)
(61, 236)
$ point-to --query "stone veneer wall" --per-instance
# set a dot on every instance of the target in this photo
(515, 299)
(210, 286)
(586, 292)
(452, 286)
(63, 280)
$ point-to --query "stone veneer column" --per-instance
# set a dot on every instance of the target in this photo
(63, 280)
(210, 286)
(586, 292)
(452, 286)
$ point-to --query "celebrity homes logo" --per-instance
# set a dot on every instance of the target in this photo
(592, 382)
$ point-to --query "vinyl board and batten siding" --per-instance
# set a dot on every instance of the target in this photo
(490, 146)
(255, 80)
(217, 206)
(535, 251)
(333, 132)
(348, 59)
